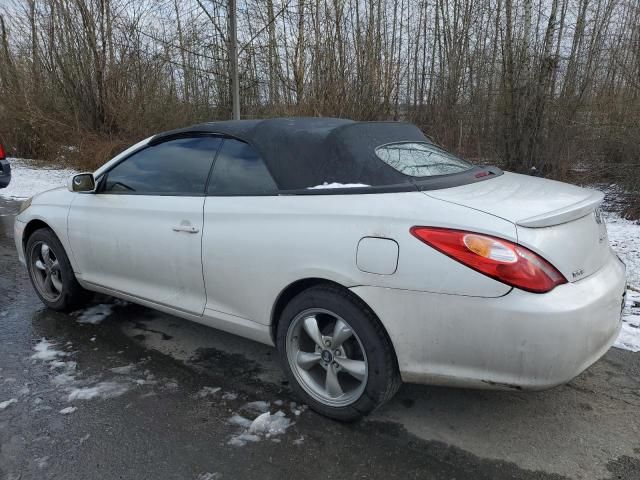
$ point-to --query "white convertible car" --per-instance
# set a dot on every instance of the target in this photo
(365, 253)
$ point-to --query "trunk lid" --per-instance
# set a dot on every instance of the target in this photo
(560, 222)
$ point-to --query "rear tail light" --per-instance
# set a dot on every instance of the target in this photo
(497, 258)
(3, 154)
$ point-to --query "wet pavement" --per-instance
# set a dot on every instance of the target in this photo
(148, 395)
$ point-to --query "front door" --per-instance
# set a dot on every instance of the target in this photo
(141, 233)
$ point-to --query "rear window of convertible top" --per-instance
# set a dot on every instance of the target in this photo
(421, 159)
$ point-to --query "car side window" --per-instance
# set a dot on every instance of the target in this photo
(239, 170)
(175, 167)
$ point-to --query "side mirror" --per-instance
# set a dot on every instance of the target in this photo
(83, 182)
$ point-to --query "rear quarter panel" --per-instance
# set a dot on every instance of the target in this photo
(254, 247)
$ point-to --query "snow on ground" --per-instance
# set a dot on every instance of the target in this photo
(95, 314)
(29, 178)
(207, 391)
(45, 351)
(265, 425)
(209, 476)
(7, 403)
(624, 236)
(66, 378)
(629, 338)
(124, 370)
(99, 390)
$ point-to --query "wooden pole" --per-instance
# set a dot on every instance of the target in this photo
(233, 55)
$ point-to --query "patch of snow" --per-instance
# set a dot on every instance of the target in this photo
(338, 185)
(63, 379)
(629, 338)
(95, 314)
(68, 410)
(229, 396)
(45, 351)
(66, 372)
(209, 476)
(7, 403)
(124, 370)
(207, 391)
(299, 441)
(240, 421)
(27, 179)
(624, 236)
(267, 424)
(99, 390)
(242, 439)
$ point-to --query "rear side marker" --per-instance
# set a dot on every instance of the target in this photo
(500, 259)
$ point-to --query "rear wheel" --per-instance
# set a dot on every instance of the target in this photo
(336, 353)
(51, 273)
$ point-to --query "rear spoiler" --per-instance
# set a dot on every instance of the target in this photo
(565, 214)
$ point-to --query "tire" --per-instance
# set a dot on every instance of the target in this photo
(360, 390)
(61, 292)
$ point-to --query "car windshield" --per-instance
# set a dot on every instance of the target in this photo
(421, 159)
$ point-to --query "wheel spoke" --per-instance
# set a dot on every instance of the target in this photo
(39, 265)
(311, 327)
(341, 332)
(332, 385)
(307, 360)
(45, 252)
(47, 284)
(56, 282)
(356, 368)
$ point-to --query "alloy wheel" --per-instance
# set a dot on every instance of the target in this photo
(327, 357)
(45, 271)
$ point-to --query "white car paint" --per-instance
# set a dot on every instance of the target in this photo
(563, 229)
(130, 243)
(448, 323)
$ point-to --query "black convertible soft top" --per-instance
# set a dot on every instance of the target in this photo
(306, 152)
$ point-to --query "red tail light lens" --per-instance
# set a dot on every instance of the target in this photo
(3, 154)
(497, 258)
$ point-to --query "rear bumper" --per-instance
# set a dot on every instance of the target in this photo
(520, 340)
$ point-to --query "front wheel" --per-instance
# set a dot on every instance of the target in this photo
(51, 273)
(336, 353)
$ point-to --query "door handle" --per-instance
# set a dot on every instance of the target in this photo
(186, 228)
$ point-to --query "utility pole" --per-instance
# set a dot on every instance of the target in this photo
(233, 56)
